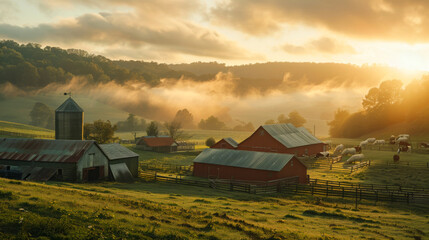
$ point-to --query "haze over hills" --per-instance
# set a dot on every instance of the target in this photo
(253, 92)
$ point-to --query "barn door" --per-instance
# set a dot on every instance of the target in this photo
(101, 173)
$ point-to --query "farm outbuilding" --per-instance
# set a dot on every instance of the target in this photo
(119, 155)
(69, 121)
(157, 144)
(283, 138)
(248, 165)
(42, 159)
(226, 143)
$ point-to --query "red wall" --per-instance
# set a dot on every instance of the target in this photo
(226, 172)
(222, 144)
(261, 141)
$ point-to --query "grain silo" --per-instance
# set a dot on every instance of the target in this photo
(69, 121)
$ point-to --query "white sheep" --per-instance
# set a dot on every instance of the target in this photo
(348, 151)
(379, 142)
(363, 143)
(355, 157)
(404, 135)
(402, 139)
(338, 148)
(370, 140)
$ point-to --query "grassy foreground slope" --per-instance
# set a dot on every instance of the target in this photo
(12, 129)
(167, 211)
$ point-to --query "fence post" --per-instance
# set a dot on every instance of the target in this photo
(155, 176)
(330, 166)
(376, 196)
(342, 192)
(327, 190)
(312, 189)
(356, 195)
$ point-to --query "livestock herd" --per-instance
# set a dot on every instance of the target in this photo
(402, 141)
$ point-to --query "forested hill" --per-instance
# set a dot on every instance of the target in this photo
(29, 66)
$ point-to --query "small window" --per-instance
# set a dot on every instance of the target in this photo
(262, 132)
(8, 168)
(60, 172)
(291, 163)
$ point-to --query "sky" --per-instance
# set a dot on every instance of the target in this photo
(388, 32)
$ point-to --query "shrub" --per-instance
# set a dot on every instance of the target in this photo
(210, 142)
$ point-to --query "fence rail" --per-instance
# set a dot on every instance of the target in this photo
(358, 191)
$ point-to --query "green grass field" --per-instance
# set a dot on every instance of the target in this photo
(11, 129)
(167, 211)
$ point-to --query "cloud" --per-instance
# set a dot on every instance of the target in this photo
(322, 45)
(129, 30)
(379, 19)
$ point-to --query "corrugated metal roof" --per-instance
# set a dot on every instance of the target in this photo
(290, 136)
(69, 106)
(43, 150)
(117, 151)
(244, 159)
(159, 141)
(231, 142)
(121, 173)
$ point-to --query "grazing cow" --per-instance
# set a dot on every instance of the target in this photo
(358, 149)
(370, 140)
(322, 154)
(355, 157)
(349, 151)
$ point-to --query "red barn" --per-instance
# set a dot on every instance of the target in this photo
(283, 138)
(226, 143)
(157, 144)
(248, 165)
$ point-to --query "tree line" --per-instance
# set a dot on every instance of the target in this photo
(389, 104)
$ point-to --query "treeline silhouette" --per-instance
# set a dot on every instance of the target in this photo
(29, 66)
(389, 104)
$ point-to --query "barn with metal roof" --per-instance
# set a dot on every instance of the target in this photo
(226, 143)
(43, 159)
(283, 138)
(248, 165)
(123, 163)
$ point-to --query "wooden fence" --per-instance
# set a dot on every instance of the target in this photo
(357, 191)
(168, 168)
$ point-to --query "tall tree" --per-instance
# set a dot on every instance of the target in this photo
(100, 131)
(211, 123)
(388, 93)
(185, 118)
(296, 119)
(174, 129)
(335, 126)
(152, 129)
(42, 116)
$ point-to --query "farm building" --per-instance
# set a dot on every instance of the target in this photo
(248, 165)
(42, 159)
(226, 143)
(157, 144)
(283, 138)
(69, 121)
(185, 146)
(123, 163)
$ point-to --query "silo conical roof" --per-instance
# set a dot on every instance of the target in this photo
(69, 106)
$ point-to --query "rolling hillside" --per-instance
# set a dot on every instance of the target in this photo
(11, 129)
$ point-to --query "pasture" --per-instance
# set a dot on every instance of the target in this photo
(166, 211)
(12, 129)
